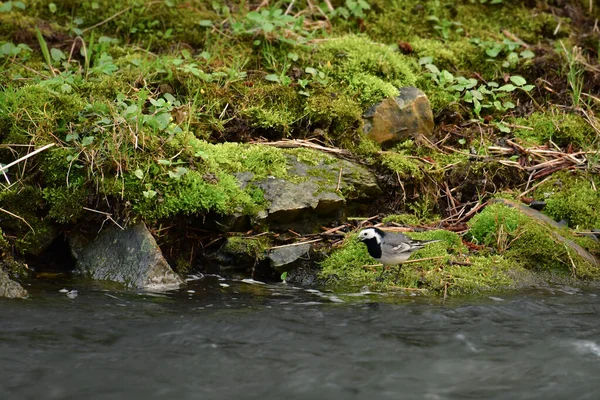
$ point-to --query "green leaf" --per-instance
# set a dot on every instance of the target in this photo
(272, 77)
(149, 193)
(432, 68)
(462, 141)
(506, 88)
(178, 173)
(164, 162)
(207, 23)
(502, 127)
(163, 120)
(527, 88)
(518, 80)
(57, 55)
(527, 54)
(139, 173)
(425, 60)
(86, 141)
(310, 70)
(493, 52)
(52, 7)
(284, 276)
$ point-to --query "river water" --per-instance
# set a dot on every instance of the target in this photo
(224, 339)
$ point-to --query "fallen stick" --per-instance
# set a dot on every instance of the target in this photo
(25, 157)
(294, 244)
(291, 144)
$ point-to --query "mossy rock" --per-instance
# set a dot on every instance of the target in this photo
(564, 129)
(572, 197)
(369, 70)
(524, 236)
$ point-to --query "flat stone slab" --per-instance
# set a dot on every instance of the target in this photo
(129, 256)
(286, 256)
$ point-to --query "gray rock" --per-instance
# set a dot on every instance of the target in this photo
(283, 258)
(129, 256)
(314, 193)
(10, 288)
(394, 120)
(293, 202)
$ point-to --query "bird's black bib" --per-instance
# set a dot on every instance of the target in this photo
(373, 247)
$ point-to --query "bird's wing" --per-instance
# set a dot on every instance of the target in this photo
(395, 239)
(401, 244)
(398, 248)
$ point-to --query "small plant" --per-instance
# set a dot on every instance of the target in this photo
(350, 9)
(271, 24)
(481, 96)
(8, 6)
(507, 50)
(575, 73)
(445, 27)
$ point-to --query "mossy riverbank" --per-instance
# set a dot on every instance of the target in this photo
(162, 112)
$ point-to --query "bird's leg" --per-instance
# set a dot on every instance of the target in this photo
(380, 277)
(398, 273)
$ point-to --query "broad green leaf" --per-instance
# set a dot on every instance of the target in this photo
(527, 54)
(506, 88)
(518, 80)
(86, 141)
(139, 173)
(163, 120)
(57, 55)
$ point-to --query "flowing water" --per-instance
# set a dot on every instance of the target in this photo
(223, 339)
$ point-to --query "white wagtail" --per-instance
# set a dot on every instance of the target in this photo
(390, 248)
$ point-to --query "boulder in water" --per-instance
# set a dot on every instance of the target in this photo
(130, 256)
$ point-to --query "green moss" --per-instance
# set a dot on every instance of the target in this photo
(369, 70)
(562, 129)
(526, 241)
(402, 219)
(407, 168)
(255, 247)
(572, 197)
(349, 266)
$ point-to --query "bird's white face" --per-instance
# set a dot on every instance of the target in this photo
(369, 233)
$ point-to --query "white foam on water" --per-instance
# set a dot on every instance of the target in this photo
(587, 347)
(191, 278)
(252, 281)
(461, 337)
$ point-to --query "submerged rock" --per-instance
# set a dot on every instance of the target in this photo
(10, 288)
(129, 256)
(408, 116)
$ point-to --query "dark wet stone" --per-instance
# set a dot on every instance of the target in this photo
(129, 256)
(537, 205)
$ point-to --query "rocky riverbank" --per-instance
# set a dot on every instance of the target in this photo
(145, 142)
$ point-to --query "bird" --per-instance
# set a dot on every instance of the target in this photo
(390, 248)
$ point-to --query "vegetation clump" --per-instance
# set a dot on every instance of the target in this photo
(524, 240)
